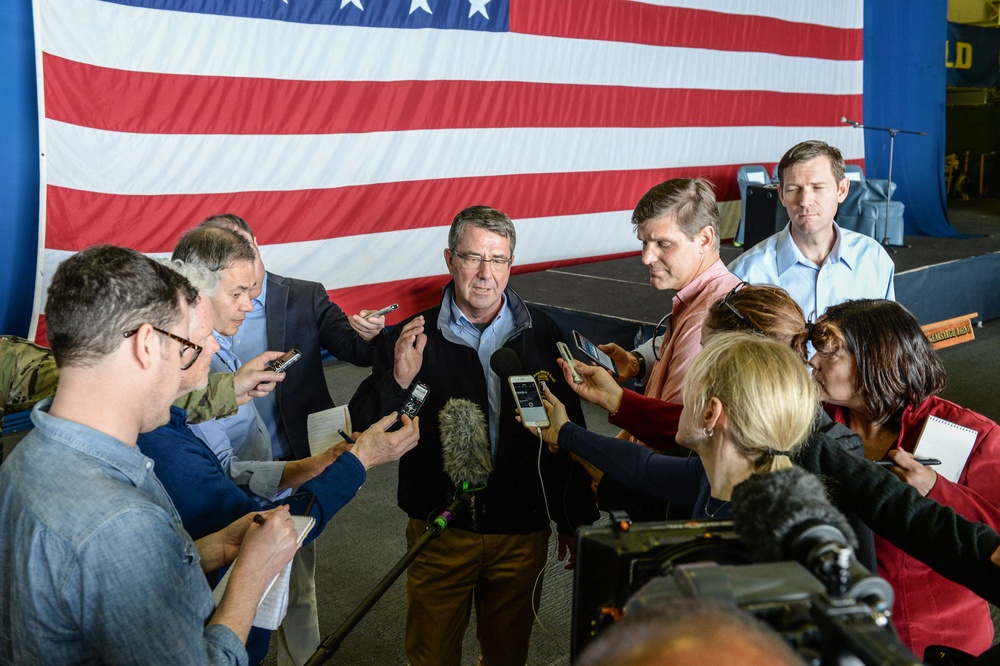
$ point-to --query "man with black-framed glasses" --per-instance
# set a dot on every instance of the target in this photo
(96, 566)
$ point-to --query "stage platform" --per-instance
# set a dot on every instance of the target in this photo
(936, 279)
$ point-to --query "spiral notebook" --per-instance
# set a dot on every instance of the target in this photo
(948, 442)
(274, 602)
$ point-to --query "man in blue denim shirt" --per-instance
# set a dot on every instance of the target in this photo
(96, 566)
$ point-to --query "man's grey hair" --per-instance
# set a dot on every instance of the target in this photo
(484, 217)
(808, 150)
(215, 249)
(690, 200)
(205, 281)
(227, 221)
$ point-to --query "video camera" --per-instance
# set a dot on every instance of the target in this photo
(827, 607)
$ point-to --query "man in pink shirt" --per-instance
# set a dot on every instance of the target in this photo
(678, 225)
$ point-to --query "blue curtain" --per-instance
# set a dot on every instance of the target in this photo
(18, 166)
(905, 89)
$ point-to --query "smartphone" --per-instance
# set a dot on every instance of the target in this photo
(567, 356)
(591, 350)
(922, 461)
(299, 504)
(384, 311)
(529, 401)
(284, 362)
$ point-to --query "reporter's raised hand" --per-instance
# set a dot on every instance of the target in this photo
(254, 380)
(625, 362)
(365, 326)
(409, 352)
(375, 446)
(598, 386)
(556, 413)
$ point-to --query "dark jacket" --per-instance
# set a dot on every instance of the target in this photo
(512, 502)
(301, 315)
(956, 548)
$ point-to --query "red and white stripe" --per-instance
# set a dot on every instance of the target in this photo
(350, 149)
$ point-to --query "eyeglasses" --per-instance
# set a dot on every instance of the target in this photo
(474, 261)
(665, 325)
(739, 315)
(189, 350)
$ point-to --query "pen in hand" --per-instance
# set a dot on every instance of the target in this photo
(347, 438)
(259, 519)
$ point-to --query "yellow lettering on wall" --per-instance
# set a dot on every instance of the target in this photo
(963, 55)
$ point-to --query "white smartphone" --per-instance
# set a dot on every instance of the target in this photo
(567, 356)
(529, 401)
(591, 350)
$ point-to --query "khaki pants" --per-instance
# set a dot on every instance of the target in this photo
(496, 571)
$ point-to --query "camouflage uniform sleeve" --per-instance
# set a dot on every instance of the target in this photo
(216, 401)
(28, 374)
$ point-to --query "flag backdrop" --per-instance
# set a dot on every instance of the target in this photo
(349, 132)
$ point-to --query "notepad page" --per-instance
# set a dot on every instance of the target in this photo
(948, 442)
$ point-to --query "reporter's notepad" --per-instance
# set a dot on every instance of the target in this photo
(274, 602)
(324, 428)
(948, 442)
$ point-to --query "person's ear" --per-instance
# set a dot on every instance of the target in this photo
(714, 414)
(706, 237)
(843, 187)
(145, 344)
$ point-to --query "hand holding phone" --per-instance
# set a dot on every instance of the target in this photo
(285, 361)
(592, 352)
(528, 399)
(384, 311)
(567, 356)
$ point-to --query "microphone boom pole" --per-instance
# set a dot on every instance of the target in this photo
(332, 642)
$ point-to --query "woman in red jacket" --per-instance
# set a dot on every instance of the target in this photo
(880, 376)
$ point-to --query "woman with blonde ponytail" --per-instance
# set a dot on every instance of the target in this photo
(748, 404)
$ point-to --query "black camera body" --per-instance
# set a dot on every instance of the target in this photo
(622, 567)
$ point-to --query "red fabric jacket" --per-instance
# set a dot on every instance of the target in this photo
(929, 609)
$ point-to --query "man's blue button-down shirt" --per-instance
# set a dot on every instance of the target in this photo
(96, 567)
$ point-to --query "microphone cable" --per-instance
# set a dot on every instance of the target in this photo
(552, 526)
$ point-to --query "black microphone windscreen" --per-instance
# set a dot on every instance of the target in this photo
(465, 446)
(505, 363)
(767, 509)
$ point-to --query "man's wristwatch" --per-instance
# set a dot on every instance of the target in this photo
(642, 364)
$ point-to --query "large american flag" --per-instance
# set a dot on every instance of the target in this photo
(349, 132)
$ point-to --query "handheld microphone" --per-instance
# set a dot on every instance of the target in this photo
(465, 448)
(505, 363)
(786, 515)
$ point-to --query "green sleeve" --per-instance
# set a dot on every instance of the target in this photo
(215, 401)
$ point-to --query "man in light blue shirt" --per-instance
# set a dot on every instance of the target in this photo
(242, 441)
(814, 260)
(96, 565)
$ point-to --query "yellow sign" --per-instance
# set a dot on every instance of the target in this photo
(962, 55)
